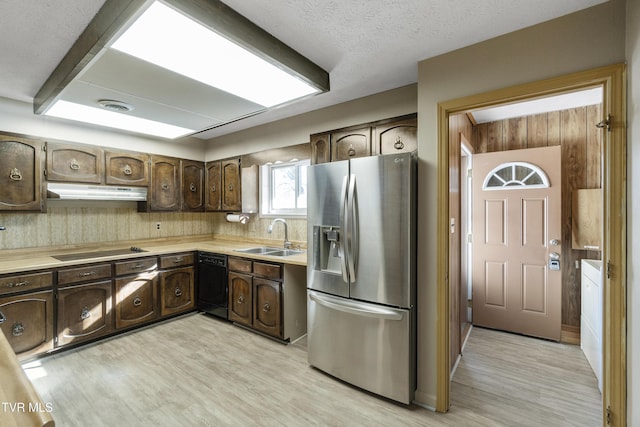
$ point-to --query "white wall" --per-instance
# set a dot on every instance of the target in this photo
(18, 117)
(633, 237)
(580, 41)
(296, 130)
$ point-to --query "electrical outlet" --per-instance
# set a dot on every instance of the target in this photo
(157, 226)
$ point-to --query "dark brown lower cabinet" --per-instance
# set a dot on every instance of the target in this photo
(240, 298)
(27, 322)
(255, 295)
(267, 303)
(136, 299)
(84, 312)
(176, 290)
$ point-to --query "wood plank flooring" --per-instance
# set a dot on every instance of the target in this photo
(201, 371)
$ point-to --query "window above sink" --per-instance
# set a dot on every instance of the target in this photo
(283, 188)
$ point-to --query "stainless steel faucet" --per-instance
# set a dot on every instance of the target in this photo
(287, 243)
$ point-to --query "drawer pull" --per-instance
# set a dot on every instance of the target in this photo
(266, 307)
(85, 314)
(240, 299)
(87, 274)
(137, 302)
(137, 266)
(3, 318)
(74, 165)
(177, 260)
(178, 292)
(18, 284)
(15, 174)
(17, 329)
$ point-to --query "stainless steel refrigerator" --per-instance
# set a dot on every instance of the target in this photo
(361, 217)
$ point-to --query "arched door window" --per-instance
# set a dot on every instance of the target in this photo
(515, 175)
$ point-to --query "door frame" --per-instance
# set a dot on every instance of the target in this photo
(612, 79)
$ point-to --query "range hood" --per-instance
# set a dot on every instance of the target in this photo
(95, 192)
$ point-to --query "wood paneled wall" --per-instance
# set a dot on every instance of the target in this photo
(573, 129)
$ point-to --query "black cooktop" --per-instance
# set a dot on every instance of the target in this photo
(97, 254)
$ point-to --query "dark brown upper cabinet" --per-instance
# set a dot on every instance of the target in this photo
(164, 191)
(131, 169)
(21, 170)
(213, 193)
(396, 136)
(74, 163)
(231, 185)
(320, 148)
(193, 195)
(350, 144)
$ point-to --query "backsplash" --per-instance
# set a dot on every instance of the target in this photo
(67, 223)
(257, 229)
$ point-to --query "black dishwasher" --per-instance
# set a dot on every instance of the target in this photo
(212, 284)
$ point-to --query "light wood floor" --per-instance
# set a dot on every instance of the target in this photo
(200, 371)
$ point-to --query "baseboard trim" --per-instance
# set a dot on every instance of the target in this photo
(570, 334)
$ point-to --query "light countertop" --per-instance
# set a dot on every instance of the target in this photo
(22, 260)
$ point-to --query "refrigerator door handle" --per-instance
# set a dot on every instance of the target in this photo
(343, 228)
(352, 229)
(353, 307)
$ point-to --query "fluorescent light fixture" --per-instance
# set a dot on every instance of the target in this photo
(72, 111)
(171, 40)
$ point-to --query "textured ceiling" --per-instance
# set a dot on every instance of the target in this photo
(367, 46)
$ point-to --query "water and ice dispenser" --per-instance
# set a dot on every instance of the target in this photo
(327, 249)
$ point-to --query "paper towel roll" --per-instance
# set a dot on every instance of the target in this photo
(241, 218)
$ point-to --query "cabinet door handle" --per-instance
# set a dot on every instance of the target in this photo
(230, 187)
(18, 284)
(3, 318)
(17, 329)
(351, 151)
(399, 145)
(15, 174)
(178, 292)
(127, 170)
(137, 302)
(85, 314)
(240, 299)
(164, 186)
(74, 165)
(193, 187)
(266, 307)
(213, 188)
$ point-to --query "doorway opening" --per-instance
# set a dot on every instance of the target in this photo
(607, 172)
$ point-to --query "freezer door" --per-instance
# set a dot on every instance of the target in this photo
(326, 203)
(380, 235)
(367, 345)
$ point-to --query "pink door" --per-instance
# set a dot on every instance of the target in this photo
(516, 241)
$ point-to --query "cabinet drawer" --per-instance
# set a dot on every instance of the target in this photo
(135, 266)
(178, 260)
(25, 282)
(239, 264)
(82, 274)
(270, 271)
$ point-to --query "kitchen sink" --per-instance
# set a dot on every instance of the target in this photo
(261, 250)
(271, 251)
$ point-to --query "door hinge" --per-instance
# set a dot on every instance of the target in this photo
(609, 415)
(606, 123)
(44, 146)
(469, 173)
(608, 269)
